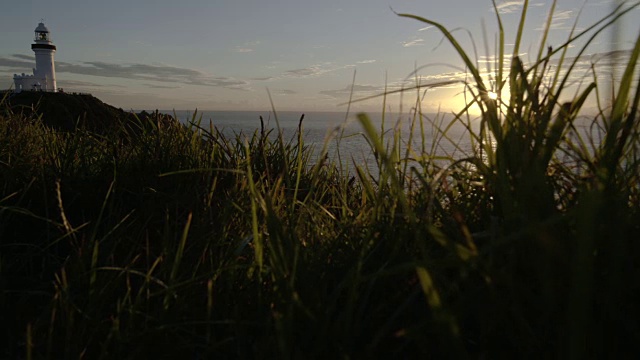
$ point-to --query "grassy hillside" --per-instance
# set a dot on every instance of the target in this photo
(66, 112)
(175, 241)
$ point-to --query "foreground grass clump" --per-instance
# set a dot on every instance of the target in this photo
(176, 240)
(158, 239)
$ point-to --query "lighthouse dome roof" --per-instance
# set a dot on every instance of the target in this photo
(41, 28)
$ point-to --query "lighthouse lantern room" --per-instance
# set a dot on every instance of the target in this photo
(44, 74)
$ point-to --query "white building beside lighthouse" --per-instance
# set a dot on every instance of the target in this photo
(44, 74)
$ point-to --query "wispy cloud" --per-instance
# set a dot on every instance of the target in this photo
(303, 72)
(156, 86)
(161, 73)
(17, 62)
(605, 64)
(311, 71)
(508, 7)
(446, 77)
(560, 19)
(365, 91)
(76, 83)
(512, 6)
(24, 57)
(361, 90)
(246, 47)
(414, 42)
(146, 72)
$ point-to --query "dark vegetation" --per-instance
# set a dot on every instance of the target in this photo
(67, 112)
(176, 241)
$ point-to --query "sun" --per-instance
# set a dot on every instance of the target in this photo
(492, 95)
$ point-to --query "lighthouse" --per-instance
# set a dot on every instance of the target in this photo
(44, 74)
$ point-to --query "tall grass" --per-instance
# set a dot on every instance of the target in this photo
(554, 231)
(159, 239)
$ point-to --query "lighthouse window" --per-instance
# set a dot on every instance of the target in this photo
(42, 36)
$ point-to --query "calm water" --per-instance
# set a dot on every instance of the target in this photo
(345, 137)
(339, 130)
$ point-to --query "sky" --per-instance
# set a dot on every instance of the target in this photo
(299, 55)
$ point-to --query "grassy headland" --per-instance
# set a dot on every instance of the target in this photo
(158, 239)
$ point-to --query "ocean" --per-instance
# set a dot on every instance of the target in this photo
(343, 133)
(347, 144)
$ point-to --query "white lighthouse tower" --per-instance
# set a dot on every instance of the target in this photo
(44, 74)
